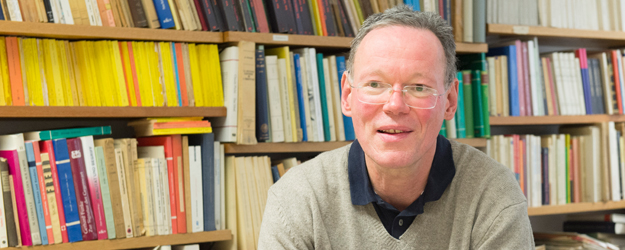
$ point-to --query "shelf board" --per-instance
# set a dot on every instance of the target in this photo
(467, 48)
(140, 242)
(576, 208)
(304, 147)
(108, 112)
(553, 120)
(522, 30)
(73, 32)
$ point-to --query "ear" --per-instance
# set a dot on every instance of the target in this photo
(346, 100)
(452, 100)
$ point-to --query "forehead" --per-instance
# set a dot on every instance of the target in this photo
(398, 49)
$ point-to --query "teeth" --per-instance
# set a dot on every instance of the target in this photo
(392, 131)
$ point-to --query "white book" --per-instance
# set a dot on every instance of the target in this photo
(15, 14)
(56, 10)
(119, 162)
(540, 83)
(602, 6)
(307, 95)
(275, 102)
(158, 152)
(96, 12)
(451, 128)
(195, 171)
(258, 180)
(579, 90)
(621, 17)
(186, 247)
(157, 197)
(467, 21)
(222, 189)
(335, 83)
(554, 16)
(543, 13)
(613, 163)
(284, 97)
(329, 97)
(91, 12)
(248, 178)
(528, 170)
(225, 128)
(557, 77)
(533, 80)
(217, 177)
(16, 142)
(536, 171)
(569, 59)
(593, 13)
(489, 11)
(551, 147)
(88, 149)
(561, 169)
(64, 12)
(504, 85)
(147, 180)
(165, 195)
(615, 15)
(318, 118)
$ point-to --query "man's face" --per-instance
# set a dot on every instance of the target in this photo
(399, 56)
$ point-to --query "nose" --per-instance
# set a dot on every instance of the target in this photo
(396, 104)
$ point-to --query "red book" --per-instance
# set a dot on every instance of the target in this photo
(81, 184)
(526, 81)
(15, 72)
(172, 174)
(577, 196)
(20, 200)
(259, 11)
(46, 147)
(617, 81)
(200, 14)
(183, 82)
(322, 16)
(179, 175)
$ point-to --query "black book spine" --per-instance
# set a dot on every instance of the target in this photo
(219, 17)
(209, 14)
(598, 88)
(8, 205)
(138, 14)
(262, 109)
(276, 17)
(306, 18)
(49, 12)
(584, 227)
(290, 16)
(231, 17)
(347, 28)
(246, 13)
(297, 13)
(330, 24)
(545, 171)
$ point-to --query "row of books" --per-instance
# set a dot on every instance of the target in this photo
(524, 83)
(572, 241)
(48, 72)
(606, 15)
(566, 168)
(68, 190)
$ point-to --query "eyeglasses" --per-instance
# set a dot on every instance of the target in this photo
(415, 96)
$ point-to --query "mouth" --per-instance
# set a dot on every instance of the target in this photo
(392, 131)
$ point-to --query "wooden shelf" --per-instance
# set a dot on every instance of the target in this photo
(323, 41)
(74, 32)
(576, 208)
(140, 242)
(108, 112)
(303, 147)
(553, 120)
(505, 29)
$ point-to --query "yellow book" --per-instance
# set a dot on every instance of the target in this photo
(317, 18)
(143, 74)
(102, 69)
(198, 87)
(215, 65)
(207, 75)
(230, 198)
(56, 73)
(171, 90)
(143, 131)
(174, 13)
(140, 179)
(359, 14)
(175, 119)
(65, 73)
(245, 225)
(130, 83)
(87, 83)
(283, 52)
(78, 78)
(122, 91)
(155, 74)
(253, 193)
(33, 74)
(96, 76)
(82, 73)
(4, 74)
(50, 88)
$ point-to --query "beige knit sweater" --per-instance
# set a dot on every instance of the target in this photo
(310, 208)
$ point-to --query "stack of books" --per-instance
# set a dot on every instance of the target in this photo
(170, 126)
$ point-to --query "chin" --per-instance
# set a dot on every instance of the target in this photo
(395, 159)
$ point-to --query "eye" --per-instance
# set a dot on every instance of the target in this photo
(419, 88)
(374, 84)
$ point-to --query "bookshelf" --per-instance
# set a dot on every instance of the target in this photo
(540, 31)
(74, 32)
(553, 120)
(108, 112)
(140, 242)
(303, 147)
(576, 208)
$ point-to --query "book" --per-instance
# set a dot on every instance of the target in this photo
(43, 220)
(109, 168)
(66, 180)
(513, 86)
(8, 236)
(93, 179)
(81, 183)
(195, 167)
(123, 191)
(105, 191)
(262, 103)
(594, 227)
(67, 133)
(163, 12)
(226, 127)
(206, 143)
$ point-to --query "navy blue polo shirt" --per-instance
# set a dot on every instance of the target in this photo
(397, 222)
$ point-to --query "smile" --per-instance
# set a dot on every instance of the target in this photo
(392, 131)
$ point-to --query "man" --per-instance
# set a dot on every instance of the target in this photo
(400, 185)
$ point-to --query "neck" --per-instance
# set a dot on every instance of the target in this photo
(400, 187)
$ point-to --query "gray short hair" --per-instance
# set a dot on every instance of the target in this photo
(403, 15)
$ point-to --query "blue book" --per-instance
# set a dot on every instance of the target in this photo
(1, 13)
(300, 95)
(324, 98)
(32, 168)
(513, 88)
(262, 104)
(165, 18)
(275, 173)
(68, 194)
(347, 121)
(175, 63)
(583, 61)
(460, 123)
(207, 142)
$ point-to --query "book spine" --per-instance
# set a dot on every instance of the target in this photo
(201, 15)
(41, 200)
(105, 191)
(125, 202)
(262, 112)
(49, 13)
(300, 95)
(21, 204)
(258, 8)
(113, 190)
(347, 121)
(180, 76)
(55, 235)
(484, 88)
(163, 11)
(47, 148)
(468, 104)
(66, 181)
(138, 14)
(196, 186)
(324, 98)
(459, 116)
(210, 15)
(93, 180)
(11, 227)
(247, 16)
(77, 132)
(179, 182)
(231, 18)
(77, 162)
(208, 181)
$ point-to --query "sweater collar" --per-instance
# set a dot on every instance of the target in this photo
(441, 174)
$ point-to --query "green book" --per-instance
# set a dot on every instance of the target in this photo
(324, 98)
(468, 103)
(67, 133)
(485, 100)
(460, 123)
(106, 194)
(443, 131)
(478, 111)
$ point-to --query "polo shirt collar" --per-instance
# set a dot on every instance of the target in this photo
(441, 174)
